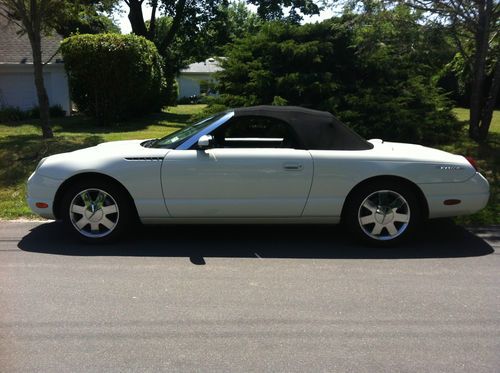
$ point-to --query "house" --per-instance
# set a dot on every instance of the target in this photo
(198, 78)
(17, 82)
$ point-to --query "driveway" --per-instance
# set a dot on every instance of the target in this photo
(249, 298)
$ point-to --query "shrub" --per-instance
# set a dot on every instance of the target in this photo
(114, 76)
(171, 90)
(209, 110)
(55, 111)
(232, 101)
(376, 72)
(184, 101)
(12, 114)
(279, 101)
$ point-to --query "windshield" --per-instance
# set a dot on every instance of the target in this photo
(178, 137)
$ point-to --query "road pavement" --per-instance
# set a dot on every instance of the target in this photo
(249, 299)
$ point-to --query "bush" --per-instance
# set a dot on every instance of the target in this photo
(114, 76)
(184, 101)
(55, 111)
(232, 101)
(12, 114)
(171, 90)
(209, 111)
(279, 101)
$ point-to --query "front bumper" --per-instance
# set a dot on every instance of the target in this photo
(42, 189)
(473, 194)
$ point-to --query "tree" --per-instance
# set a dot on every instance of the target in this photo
(272, 10)
(228, 24)
(177, 10)
(86, 17)
(241, 21)
(474, 25)
(179, 33)
(376, 72)
(192, 15)
(35, 18)
(186, 31)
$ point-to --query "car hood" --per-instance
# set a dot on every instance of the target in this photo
(98, 158)
(113, 149)
(123, 146)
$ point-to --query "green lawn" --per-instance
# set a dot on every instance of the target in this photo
(463, 115)
(21, 148)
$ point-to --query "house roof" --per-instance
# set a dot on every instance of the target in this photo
(209, 66)
(16, 49)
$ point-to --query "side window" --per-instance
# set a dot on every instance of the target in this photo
(255, 132)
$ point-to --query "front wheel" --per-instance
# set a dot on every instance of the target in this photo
(96, 211)
(383, 213)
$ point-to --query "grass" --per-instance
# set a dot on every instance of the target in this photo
(463, 115)
(21, 148)
(487, 156)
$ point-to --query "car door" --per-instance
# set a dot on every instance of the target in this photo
(253, 170)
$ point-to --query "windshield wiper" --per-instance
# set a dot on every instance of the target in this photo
(149, 143)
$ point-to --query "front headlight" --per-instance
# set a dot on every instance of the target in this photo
(40, 163)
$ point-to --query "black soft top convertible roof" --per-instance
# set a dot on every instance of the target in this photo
(316, 129)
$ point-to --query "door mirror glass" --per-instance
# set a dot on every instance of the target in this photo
(205, 142)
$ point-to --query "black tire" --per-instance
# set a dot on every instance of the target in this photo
(113, 194)
(377, 196)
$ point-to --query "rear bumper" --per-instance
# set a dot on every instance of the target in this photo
(42, 189)
(473, 194)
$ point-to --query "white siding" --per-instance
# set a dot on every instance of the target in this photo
(17, 86)
(189, 83)
(188, 86)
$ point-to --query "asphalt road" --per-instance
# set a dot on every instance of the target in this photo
(240, 299)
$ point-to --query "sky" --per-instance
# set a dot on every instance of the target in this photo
(124, 23)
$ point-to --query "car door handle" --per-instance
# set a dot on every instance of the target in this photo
(292, 166)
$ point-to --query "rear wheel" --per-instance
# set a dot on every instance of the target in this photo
(96, 211)
(383, 213)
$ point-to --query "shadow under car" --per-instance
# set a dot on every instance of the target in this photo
(437, 239)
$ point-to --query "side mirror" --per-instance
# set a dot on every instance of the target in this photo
(205, 142)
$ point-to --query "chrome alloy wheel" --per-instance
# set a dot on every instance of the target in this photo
(384, 215)
(94, 213)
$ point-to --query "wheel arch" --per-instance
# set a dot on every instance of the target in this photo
(63, 188)
(395, 179)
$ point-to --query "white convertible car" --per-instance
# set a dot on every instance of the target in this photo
(262, 164)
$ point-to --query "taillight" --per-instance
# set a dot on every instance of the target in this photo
(473, 163)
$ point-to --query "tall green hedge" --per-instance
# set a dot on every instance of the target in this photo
(114, 76)
(376, 72)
